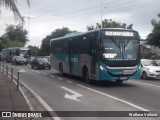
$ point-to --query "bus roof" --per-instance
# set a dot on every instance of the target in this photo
(83, 33)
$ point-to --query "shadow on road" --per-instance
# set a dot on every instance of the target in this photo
(96, 83)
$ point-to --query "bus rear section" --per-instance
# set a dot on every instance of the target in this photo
(9, 53)
(107, 54)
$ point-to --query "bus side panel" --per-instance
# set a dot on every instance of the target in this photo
(57, 59)
(78, 61)
(136, 76)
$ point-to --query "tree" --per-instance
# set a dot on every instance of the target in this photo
(154, 37)
(45, 47)
(11, 4)
(110, 24)
(14, 36)
(34, 50)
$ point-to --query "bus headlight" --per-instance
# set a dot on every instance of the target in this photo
(103, 68)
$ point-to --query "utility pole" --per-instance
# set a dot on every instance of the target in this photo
(101, 15)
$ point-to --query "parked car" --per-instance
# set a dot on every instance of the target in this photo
(158, 62)
(19, 60)
(48, 58)
(149, 69)
(40, 62)
(31, 59)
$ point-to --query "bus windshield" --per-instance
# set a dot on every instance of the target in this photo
(120, 49)
(25, 53)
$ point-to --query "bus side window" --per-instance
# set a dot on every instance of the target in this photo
(92, 41)
(17, 52)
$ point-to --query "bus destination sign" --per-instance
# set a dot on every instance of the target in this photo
(113, 33)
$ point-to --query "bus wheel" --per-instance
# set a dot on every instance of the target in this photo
(61, 70)
(144, 76)
(86, 76)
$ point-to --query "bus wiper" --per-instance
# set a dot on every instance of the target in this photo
(118, 45)
(125, 44)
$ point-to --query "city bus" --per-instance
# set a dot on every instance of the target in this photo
(9, 53)
(102, 54)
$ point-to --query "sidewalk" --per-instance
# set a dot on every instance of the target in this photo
(10, 98)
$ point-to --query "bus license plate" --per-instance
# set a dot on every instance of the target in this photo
(123, 78)
(127, 72)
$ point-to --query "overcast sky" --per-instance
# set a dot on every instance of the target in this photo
(48, 15)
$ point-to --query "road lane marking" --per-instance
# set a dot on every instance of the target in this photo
(146, 84)
(44, 74)
(110, 96)
(60, 78)
(44, 104)
(21, 70)
(69, 81)
(72, 97)
(38, 72)
(25, 97)
(51, 76)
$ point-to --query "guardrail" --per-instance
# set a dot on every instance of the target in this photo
(5, 70)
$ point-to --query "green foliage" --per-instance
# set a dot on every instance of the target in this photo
(9, 43)
(34, 50)
(16, 33)
(154, 37)
(110, 24)
(155, 57)
(15, 36)
(45, 47)
(11, 4)
(148, 55)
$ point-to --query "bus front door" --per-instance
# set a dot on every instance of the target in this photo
(93, 56)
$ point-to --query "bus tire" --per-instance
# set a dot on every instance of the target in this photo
(86, 75)
(144, 75)
(61, 69)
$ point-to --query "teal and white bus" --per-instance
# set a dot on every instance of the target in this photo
(9, 53)
(102, 54)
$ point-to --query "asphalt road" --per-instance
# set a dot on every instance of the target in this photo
(71, 94)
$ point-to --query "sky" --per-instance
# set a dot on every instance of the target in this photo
(48, 15)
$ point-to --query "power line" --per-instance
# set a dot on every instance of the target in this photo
(80, 13)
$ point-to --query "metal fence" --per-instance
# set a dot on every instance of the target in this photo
(5, 69)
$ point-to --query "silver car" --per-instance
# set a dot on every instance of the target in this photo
(149, 69)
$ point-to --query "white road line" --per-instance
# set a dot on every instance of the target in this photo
(69, 81)
(32, 70)
(25, 97)
(60, 78)
(51, 76)
(75, 95)
(128, 103)
(44, 73)
(21, 70)
(45, 105)
(38, 72)
(145, 84)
